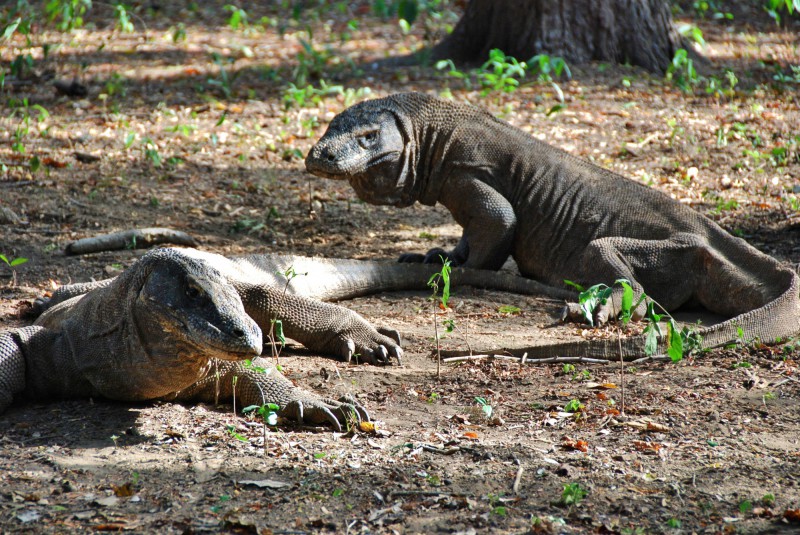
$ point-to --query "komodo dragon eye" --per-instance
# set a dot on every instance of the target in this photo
(368, 139)
(193, 292)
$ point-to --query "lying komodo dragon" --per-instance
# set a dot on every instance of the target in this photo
(560, 217)
(169, 323)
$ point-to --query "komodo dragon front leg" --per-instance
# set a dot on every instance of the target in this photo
(488, 221)
(320, 326)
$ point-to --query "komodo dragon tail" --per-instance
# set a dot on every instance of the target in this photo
(337, 279)
(777, 320)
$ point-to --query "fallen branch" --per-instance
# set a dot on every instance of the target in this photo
(517, 479)
(524, 359)
(129, 239)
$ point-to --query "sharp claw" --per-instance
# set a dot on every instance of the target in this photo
(390, 333)
(300, 412)
(383, 355)
(397, 353)
(350, 350)
(332, 419)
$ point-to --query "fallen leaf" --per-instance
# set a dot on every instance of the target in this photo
(572, 444)
(123, 491)
(366, 427)
(643, 445)
(792, 515)
(471, 435)
(600, 386)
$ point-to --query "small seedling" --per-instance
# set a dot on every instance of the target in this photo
(573, 494)
(232, 432)
(268, 412)
(485, 406)
(443, 277)
(14, 262)
(574, 405)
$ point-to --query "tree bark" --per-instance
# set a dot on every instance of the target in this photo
(639, 32)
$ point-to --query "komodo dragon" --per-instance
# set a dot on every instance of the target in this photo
(560, 218)
(168, 324)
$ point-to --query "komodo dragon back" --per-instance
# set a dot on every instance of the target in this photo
(560, 217)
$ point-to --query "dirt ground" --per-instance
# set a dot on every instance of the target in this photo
(708, 445)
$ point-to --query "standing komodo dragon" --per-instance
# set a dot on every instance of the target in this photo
(560, 217)
(177, 317)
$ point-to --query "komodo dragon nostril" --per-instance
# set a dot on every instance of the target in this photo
(238, 333)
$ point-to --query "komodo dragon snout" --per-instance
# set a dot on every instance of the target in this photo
(198, 306)
(371, 152)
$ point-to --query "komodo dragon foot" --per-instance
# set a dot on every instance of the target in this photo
(346, 410)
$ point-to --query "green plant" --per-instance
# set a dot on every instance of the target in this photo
(14, 262)
(485, 406)
(500, 72)
(231, 429)
(268, 412)
(27, 113)
(673, 523)
(681, 71)
(238, 18)
(150, 151)
(574, 405)
(786, 77)
(68, 14)
(443, 277)
(311, 62)
(768, 499)
(775, 7)
(224, 80)
(275, 324)
(308, 95)
(122, 15)
(679, 342)
(572, 494)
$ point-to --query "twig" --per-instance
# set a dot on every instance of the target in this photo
(130, 239)
(517, 479)
(526, 360)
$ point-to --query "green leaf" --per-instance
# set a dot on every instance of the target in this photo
(574, 285)
(4, 259)
(627, 300)
(408, 10)
(278, 325)
(446, 279)
(651, 342)
(35, 164)
(18, 261)
(11, 28)
(675, 345)
(508, 309)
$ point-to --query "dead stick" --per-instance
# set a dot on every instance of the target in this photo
(517, 479)
(130, 239)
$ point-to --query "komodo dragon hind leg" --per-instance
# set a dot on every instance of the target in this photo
(671, 272)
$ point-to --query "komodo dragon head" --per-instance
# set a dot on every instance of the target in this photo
(185, 301)
(369, 145)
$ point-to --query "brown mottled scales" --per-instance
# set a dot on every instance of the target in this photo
(177, 317)
(560, 217)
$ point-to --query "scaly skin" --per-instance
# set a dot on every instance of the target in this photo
(179, 323)
(560, 217)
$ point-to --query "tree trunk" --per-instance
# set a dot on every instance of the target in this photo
(639, 32)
